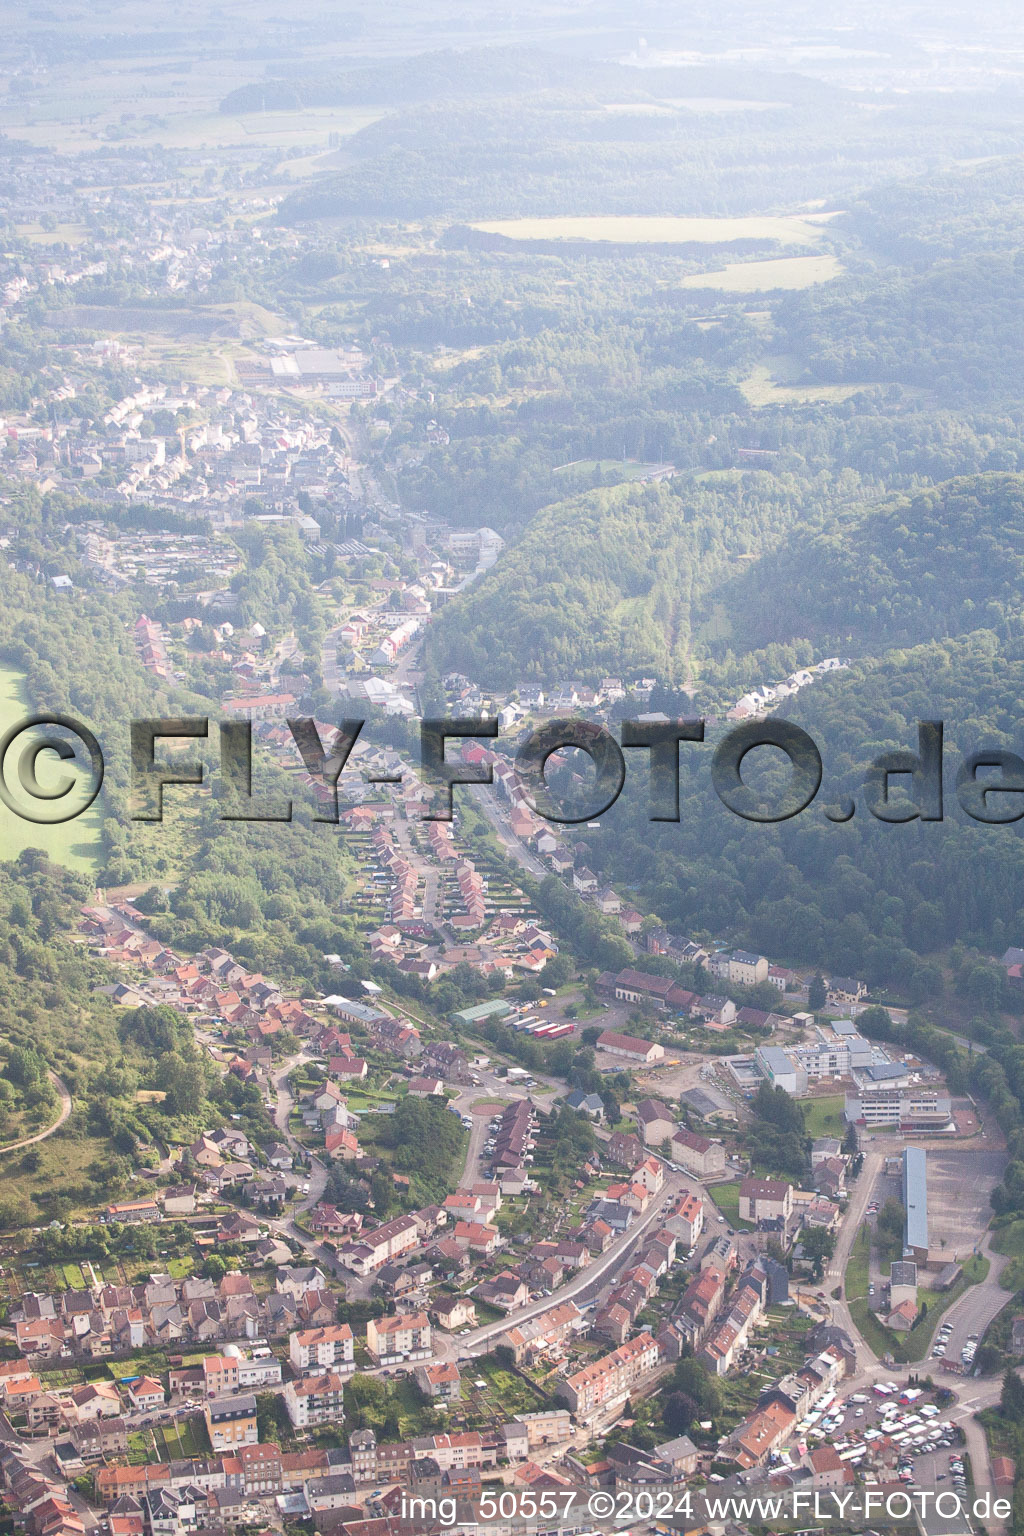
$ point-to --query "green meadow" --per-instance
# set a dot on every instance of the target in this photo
(76, 844)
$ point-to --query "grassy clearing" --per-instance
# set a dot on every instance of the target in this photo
(766, 384)
(856, 1279)
(150, 1362)
(824, 1117)
(643, 230)
(627, 469)
(765, 276)
(61, 234)
(75, 844)
(584, 474)
(405, 1398)
(140, 1448)
(727, 1198)
(509, 1391)
(185, 1438)
(878, 1339)
(720, 104)
(64, 1159)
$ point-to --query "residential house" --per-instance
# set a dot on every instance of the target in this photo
(765, 1200)
(698, 1155)
(609, 1380)
(655, 1122)
(331, 1348)
(231, 1421)
(440, 1382)
(453, 1312)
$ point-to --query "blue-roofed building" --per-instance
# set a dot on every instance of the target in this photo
(888, 1072)
(915, 1204)
(588, 1104)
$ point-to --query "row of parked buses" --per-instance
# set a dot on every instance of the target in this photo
(542, 1029)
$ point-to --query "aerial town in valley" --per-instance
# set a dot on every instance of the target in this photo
(250, 1344)
(406, 1162)
(609, 1295)
(628, 1305)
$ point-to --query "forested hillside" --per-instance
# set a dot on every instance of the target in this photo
(922, 589)
(134, 1075)
(606, 582)
(945, 561)
(509, 132)
(955, 329)
(862, 898)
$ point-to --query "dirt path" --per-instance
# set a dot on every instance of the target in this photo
(65, 1110)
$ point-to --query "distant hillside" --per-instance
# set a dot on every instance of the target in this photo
(604, 583)
(977, 207)
(494, 133)
(447, 75)
(488, 72)
(635, 578)
(945, 562)
(861, 898)
(955, 330)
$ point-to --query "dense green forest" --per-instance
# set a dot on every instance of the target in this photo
(861, 898)
(606, 582)
(943, 562)
(954, 329)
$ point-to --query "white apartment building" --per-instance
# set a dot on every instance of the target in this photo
(316, 1400)
(405, 1337)
(312, 1349)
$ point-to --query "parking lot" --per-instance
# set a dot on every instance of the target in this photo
(959, 1184)
(953, 1344)
(916, 1441)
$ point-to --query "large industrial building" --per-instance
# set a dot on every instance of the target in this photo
(835, 1053)
(909, 1109)
(915, 1204)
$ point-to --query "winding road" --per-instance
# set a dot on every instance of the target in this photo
(65, 1110)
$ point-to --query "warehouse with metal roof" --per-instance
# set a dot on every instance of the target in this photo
(915, 1204)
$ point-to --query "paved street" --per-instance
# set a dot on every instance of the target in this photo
(586, 1284)
(516, 851)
